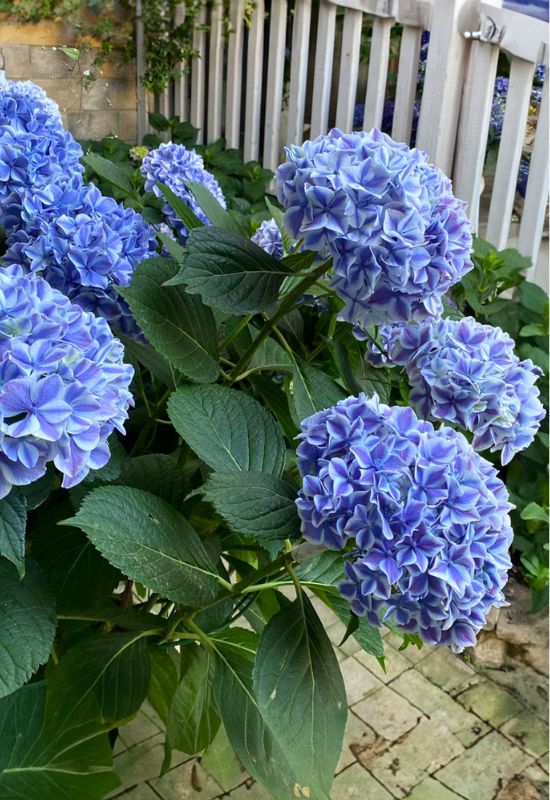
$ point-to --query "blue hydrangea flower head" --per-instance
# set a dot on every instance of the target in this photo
(83, 244)
(34, 147)
(268, 237)
(397, 236)
(422, 517)
(63, 385)
(467, 373)
(174, 165)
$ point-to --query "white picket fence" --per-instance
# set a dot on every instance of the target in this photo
(301, 66)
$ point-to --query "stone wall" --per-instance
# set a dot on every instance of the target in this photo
(30, 52)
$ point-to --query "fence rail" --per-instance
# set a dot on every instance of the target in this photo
(302, 66)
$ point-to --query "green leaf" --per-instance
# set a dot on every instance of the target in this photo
(149, 541)
(28, 768)
(230, 272)
(216, 213)
(534, 511)
(146, 356)
(176, 251)
(164, 679)
(220, 761)
(158, 474)
(193, 719)
(109, 171)
(314, 390)
(270, 356)
(324, 569)
(179, 326)
(304, 704)
(27, 624)
(71, 52)
(533, 297)
(181, 209)
(365, 634)
(254, 504)
(13, 520)
(227, 429)
(158, 121)
(533, 330)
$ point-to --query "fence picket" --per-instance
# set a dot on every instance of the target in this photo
(141, 98)
(322, 79)
(298, 72)
(274, 88)
(378, 73)
(254, 83)
(407, 75)
(234, 75)
(536, 197)
(349, 65)
(181, 84)
(473, 128)
(198, 76)
(509, 152)
(215, 73)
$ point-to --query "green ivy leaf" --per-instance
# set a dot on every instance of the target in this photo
(230, 272)
(305, 703)
(27, 624)
(254, 504)
(179, 326)
(149, 541)
(13, 520)
(193, 719)
(227, 429)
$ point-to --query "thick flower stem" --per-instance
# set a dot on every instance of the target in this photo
(285, 307)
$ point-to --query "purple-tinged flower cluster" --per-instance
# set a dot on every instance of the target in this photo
(467, 373)
(387, 118)
(63, 384)
(398, 237)
(174, 165)
(83, 244)
(428, 517)
(34, 147)
(268, 237)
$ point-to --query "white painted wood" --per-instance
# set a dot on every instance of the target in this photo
(536, 197)
(164, 102)
(445, 68)
(378, 73)
(298, 72)
(254, 83)
(234, 75)
(198, 77)
(520, 35)
(349, 65)
(274, 87)
(475, 114)
(215, 73)
(509, 152)
(322, 77)
(405, 93)
(140, 69)
(416, 13)
(181, 83)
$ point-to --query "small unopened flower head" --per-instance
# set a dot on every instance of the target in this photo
(268, 237)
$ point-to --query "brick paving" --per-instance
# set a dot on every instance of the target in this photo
(430, 728)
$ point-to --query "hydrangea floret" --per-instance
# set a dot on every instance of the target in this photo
(84, 244)
(467, 373)
(425, 515)
(398, 237)
(174, 165)
(268, 237)
(63, 384)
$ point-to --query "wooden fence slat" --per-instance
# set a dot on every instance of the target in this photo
(473, 130)
(181, 104)
(509, 151)
(407, 75)
(536, 197)
(378, 73)
(234, 75)
(274, 87)
(322, 79)
(140, 69)
(215, 74)
(198, 76)
(298, 72)
(254, 83)
(349, 65)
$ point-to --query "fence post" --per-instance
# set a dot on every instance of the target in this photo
(445, 68)
(140, 69)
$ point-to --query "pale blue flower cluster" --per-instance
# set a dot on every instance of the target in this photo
(83, 244)
(467, 373)
(398, 237)
(268, 237)
(63, 384)
(174, 165)
(426, 516)
(34, 146)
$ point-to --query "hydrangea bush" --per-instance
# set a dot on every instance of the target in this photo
(294, 402)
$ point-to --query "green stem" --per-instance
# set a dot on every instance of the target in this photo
(286, 305)
(236, 330)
